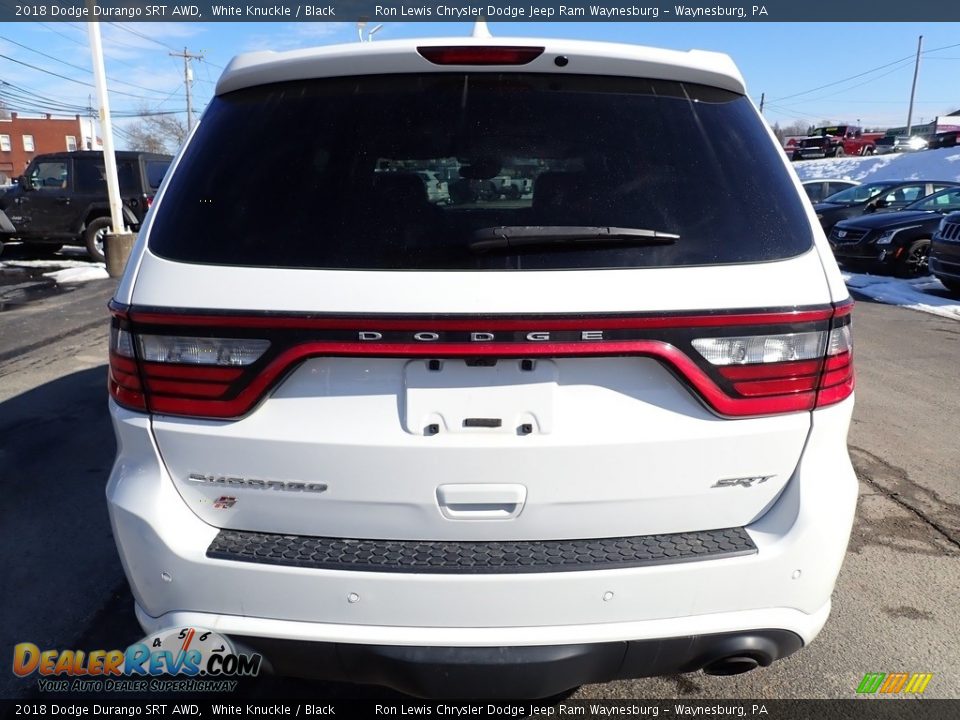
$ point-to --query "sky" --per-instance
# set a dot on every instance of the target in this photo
(809, 72)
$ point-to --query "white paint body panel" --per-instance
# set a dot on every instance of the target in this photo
(787, 283)
(401, 56)
(615, 460)
(806, 529)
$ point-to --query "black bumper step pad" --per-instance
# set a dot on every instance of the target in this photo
(520, 556)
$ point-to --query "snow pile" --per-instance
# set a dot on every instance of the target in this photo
(61, 271)
(942, 164)
(88, 272)
(925, 294)
(51, 263)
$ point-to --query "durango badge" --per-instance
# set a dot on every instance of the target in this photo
(257, 484)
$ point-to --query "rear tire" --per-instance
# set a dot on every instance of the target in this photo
(913, 263)
(94, 236)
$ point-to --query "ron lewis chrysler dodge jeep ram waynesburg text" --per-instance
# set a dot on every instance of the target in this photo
(484, 444)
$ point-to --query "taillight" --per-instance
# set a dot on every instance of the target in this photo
(472, 55)
(837, 381)
(147, 201)
(738, 363)
(786, 371)
(180, 374)
(124, 378)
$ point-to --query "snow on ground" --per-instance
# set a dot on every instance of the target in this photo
(62, 271)
(46, 263)
(942, 164)
(90, 271)
(925, 294)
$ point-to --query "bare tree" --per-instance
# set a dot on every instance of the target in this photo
(797, 127)
(156, 133)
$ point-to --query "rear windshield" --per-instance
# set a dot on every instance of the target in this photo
(409, 171)
(859, 193)
(156, 169)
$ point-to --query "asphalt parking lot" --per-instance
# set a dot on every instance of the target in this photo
(895, 607)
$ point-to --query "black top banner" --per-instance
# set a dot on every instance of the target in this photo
(861, 11)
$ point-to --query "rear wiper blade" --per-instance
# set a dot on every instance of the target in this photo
(508, 236)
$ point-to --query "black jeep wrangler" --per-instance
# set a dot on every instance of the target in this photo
(61, 199)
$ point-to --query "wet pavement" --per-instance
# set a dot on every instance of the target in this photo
(25, 273)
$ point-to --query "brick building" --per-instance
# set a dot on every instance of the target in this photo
(21, 138)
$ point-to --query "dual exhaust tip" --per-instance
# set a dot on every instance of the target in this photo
(736, 654)
(734, 665)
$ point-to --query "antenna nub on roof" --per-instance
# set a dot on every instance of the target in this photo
(480, 29)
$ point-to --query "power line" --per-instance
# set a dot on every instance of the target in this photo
(77, 67)
(145, 37)
(847, 79)
(865, 72)
(904, 66)
(70, 79)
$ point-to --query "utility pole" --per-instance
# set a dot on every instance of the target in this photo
(187, 80)
(763, 96)
(109, 159)
(913, 89)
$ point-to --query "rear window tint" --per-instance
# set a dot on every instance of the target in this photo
(156, 169)
(405, 172)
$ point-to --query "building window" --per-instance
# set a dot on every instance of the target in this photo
(71, 143)
(5, 143)
(28, 143)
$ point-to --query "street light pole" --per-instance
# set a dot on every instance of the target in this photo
(109, 158)
(913, 88)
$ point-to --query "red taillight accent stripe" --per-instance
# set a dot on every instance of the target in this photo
(762, 388)
(484, 324)
(685, 367)
(772, 370)
(123, 382)
(473, 55)
(832, 395)
(196, 373)
(229, 392)
(186, 389)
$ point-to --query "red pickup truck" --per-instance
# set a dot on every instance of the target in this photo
(835, 141)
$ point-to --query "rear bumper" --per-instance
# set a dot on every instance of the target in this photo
(786, 585)
(518, 671)
(868, 255)
(945, 267)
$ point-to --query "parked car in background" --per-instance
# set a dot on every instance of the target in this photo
(835, 141)
(61, 199)
(943, 140)
(945, 253)
(897, 241)
(884, 145)
(870, 197)
(900, 143)
(822, 188)
(437, 189)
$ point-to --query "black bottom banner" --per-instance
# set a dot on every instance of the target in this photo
(195, 707)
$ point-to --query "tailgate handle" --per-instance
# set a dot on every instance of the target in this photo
(481, 501)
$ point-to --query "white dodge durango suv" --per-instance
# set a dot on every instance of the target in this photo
(489, 446)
